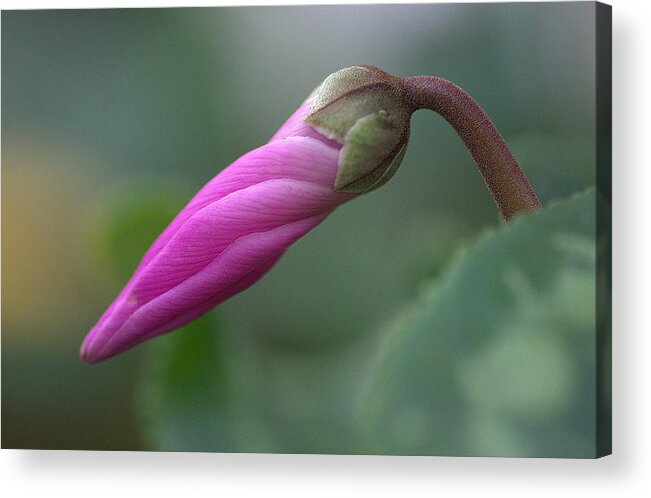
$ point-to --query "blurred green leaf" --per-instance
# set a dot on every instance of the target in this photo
(183, 399)
(202, 390)
(129, 222)
(497, 357)
(207, 389)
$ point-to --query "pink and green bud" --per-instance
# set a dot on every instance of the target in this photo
(347, 138)
(237, 226)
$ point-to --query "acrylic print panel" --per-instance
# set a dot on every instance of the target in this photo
(359, 281)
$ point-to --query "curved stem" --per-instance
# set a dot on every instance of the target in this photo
(504, 178)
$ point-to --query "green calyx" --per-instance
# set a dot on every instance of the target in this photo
(363, 108)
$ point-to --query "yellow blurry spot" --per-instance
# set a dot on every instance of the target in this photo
(44, 190)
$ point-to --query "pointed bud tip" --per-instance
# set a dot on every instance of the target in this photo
(86, 355)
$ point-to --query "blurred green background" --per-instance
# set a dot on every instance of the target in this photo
(112, 119)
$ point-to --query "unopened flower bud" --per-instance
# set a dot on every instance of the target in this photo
(347, 138)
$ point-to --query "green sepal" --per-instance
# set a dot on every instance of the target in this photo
(373, 149)
(363, 108)
(392, 169)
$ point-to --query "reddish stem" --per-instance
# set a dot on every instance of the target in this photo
(504, 178)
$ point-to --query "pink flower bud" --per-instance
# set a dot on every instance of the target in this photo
(227, 237)
(348, 138)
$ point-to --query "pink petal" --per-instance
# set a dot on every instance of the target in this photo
(299, 158)
(235, 269)
(208, 232)
(225, 239)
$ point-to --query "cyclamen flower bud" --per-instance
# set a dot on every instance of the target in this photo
(236, 228)
(348, 138)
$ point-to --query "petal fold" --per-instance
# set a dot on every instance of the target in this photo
(228, 236)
